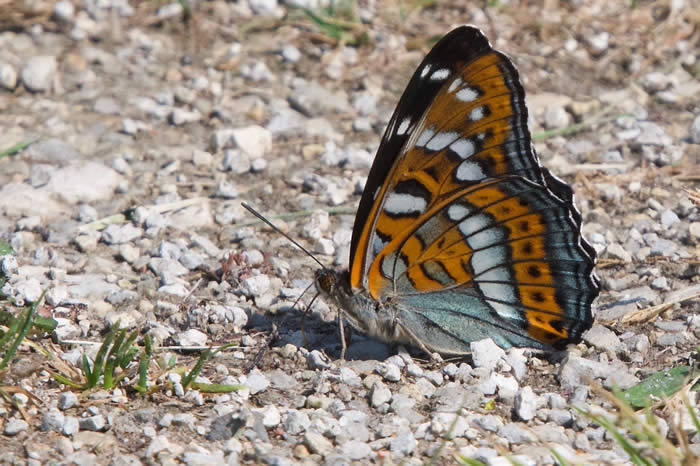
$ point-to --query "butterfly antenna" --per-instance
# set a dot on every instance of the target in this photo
(271, 225)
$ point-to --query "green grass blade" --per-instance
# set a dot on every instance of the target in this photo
(13, 329)
(65, 380)
(217, 388)
(87, 369)
(23, 331)
(108, 382)
(188, 378)
(19, 147)
(98, 365)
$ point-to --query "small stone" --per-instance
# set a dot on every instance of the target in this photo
(575, 370)
(120, 234)
(270, 416)
(489, 422)
(67, 400)
(390, 372)
(129, 253)
(38, 73)
(599, 42)
(8, 76)
(380, 394)
(255, 141)
(526, 404)
(660, 283)
(517, 433)
(291, 53)
(236, 161)
(615, 251)
(95, 423)
(668, 218)
(192, 337)
(602, 338)
(403, 444)
(15, 426)
(317, 443)
(256, 285)
(486, 353)
(226, 190)
(296, 422)
(356, 451)
(257, 382)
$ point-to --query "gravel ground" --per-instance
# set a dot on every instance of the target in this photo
(173, 122)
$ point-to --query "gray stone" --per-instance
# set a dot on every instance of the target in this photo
(526, 403)
(95, 423)
(8, 76)
(390, 372)
(192, 337)
(257, 382)
(38, 73)
(669, 218)
(84, 182)
(317, 443)
(296, 422)
(602, 338)
(517, 433)
(236, 161)
(121, 234)
(486, 353)
(403, 444)
(290, 53)
(355, 451)
(67, 400)
(52, 421)
(15, 426)
(489, 422)
(256, 285)
(574, 370)
(380, 394)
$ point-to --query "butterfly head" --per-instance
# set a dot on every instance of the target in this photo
(332, 284)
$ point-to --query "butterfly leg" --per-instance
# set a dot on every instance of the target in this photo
(344, 340)
(434, 357)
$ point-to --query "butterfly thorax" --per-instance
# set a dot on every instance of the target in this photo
(375, 318)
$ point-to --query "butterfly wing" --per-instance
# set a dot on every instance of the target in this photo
(437, 227)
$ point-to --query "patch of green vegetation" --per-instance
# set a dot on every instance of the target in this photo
(18, 327)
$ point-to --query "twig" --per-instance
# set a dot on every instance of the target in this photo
(648, 313)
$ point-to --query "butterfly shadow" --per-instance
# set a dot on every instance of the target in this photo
(317, 329)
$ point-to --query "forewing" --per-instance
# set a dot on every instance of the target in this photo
(461, 120)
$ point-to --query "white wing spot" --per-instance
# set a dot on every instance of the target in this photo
(404, 204)
(464, 148)
(477, 114)
(473, 224)
(403, 126)
(457, 212)
(487, 259)
(424, 137)
(486, 238)
(470, 171)
(455, 84)
(440, 75)
(467, 94)
(441, 140)
(425, 71)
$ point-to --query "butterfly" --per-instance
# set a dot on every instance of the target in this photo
(461, 234)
